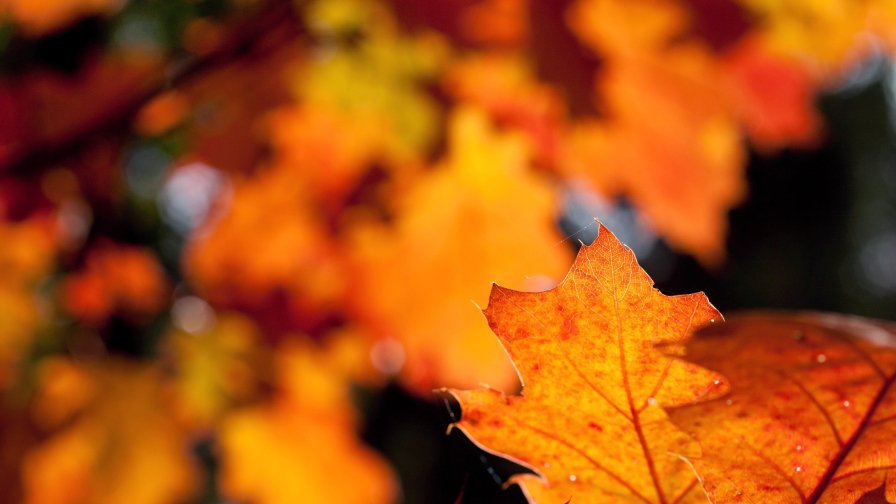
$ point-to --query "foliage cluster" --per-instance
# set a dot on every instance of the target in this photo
(232, 228)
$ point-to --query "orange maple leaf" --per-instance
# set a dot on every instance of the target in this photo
(810, 416)
(590, 419)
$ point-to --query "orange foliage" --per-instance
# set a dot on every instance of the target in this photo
(328, 165)
(123, 279)
(380, 177)
(27, 255)
(773, 95)
(104, 454)
(683, 167)
(831, 36)
(302, 447)
(292, 256)
(671, 138)
(671, 142)
(590, 418)
(162, 113)
(459, 228)
(499, 22)
(623, 29)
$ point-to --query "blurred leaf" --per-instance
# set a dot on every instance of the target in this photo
(302, 447)
(105, 455)
(459, 229)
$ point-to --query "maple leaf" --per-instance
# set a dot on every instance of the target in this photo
(328, 165)
(379, 80)
(590, 418)
(810, 416)
(671, 140)
(683, 168)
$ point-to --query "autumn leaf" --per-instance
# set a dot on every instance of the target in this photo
(116, 278)
(672, 146)
(590, 419)
(506, 87)
(823, 32)
(773, 95)
(810, 413)
(379, 82)
(671, 139)
(121, 434)
(293, 264)
(329, 166)
(302, 447)
(459, 228)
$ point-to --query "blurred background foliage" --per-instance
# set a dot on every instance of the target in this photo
(243, 240)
